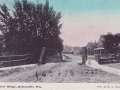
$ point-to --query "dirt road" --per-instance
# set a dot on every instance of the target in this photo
(67, 71)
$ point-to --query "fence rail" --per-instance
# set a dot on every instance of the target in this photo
(107, 59)
(13, 60)
(47, 54)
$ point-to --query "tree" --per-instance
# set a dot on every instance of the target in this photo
(111, 43)
(30, 27)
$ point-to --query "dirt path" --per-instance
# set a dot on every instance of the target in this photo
(55, 72)
(69, 71)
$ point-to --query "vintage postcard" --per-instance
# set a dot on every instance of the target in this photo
(59, 44)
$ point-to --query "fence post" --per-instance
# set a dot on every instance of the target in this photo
(84, 55)
(26, 58)
(9, 61)
(42, 56)
(61, 55)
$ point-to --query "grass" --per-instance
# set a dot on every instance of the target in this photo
(113, 65)
(8, 72)
(98, 76)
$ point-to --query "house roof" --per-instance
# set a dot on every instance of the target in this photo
(91, 45)
(101, 39)
(77, 48)
(99, 48)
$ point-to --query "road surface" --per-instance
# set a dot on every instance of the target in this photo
(67, 71)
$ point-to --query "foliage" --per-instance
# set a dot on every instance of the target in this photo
(111, 43)
(30, 27)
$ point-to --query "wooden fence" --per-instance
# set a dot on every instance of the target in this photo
(15, 60)
(107, 59)
(46, 55)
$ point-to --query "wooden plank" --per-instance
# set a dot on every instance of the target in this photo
(12, 56)
(16, 55)
(52, 49)
(9, 61)
(42, 56)
(14, 60)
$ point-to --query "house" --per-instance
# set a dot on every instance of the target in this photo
(100, 50)
(101, 39)
(77, 50)
(67, 49)
(90, 47)
(72, 50)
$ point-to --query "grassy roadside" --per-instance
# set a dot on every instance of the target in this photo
(98, 76)
(69, 71)
(4, 73)
(113, 65)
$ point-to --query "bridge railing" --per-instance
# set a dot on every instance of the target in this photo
(14, 60)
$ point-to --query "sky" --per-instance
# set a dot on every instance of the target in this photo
(84, 20)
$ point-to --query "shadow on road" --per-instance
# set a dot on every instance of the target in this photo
(80, 64)
(55, 61)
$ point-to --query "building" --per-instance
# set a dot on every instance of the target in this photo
(90, 47)
(100, 50)
(77, 50)
(67, 49)
(101, 39)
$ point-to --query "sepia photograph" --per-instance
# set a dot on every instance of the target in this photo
(60, 41)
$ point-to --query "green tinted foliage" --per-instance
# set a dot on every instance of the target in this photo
(30, 27)
(111, 43)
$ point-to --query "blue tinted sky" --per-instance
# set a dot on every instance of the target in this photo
(84, 20)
